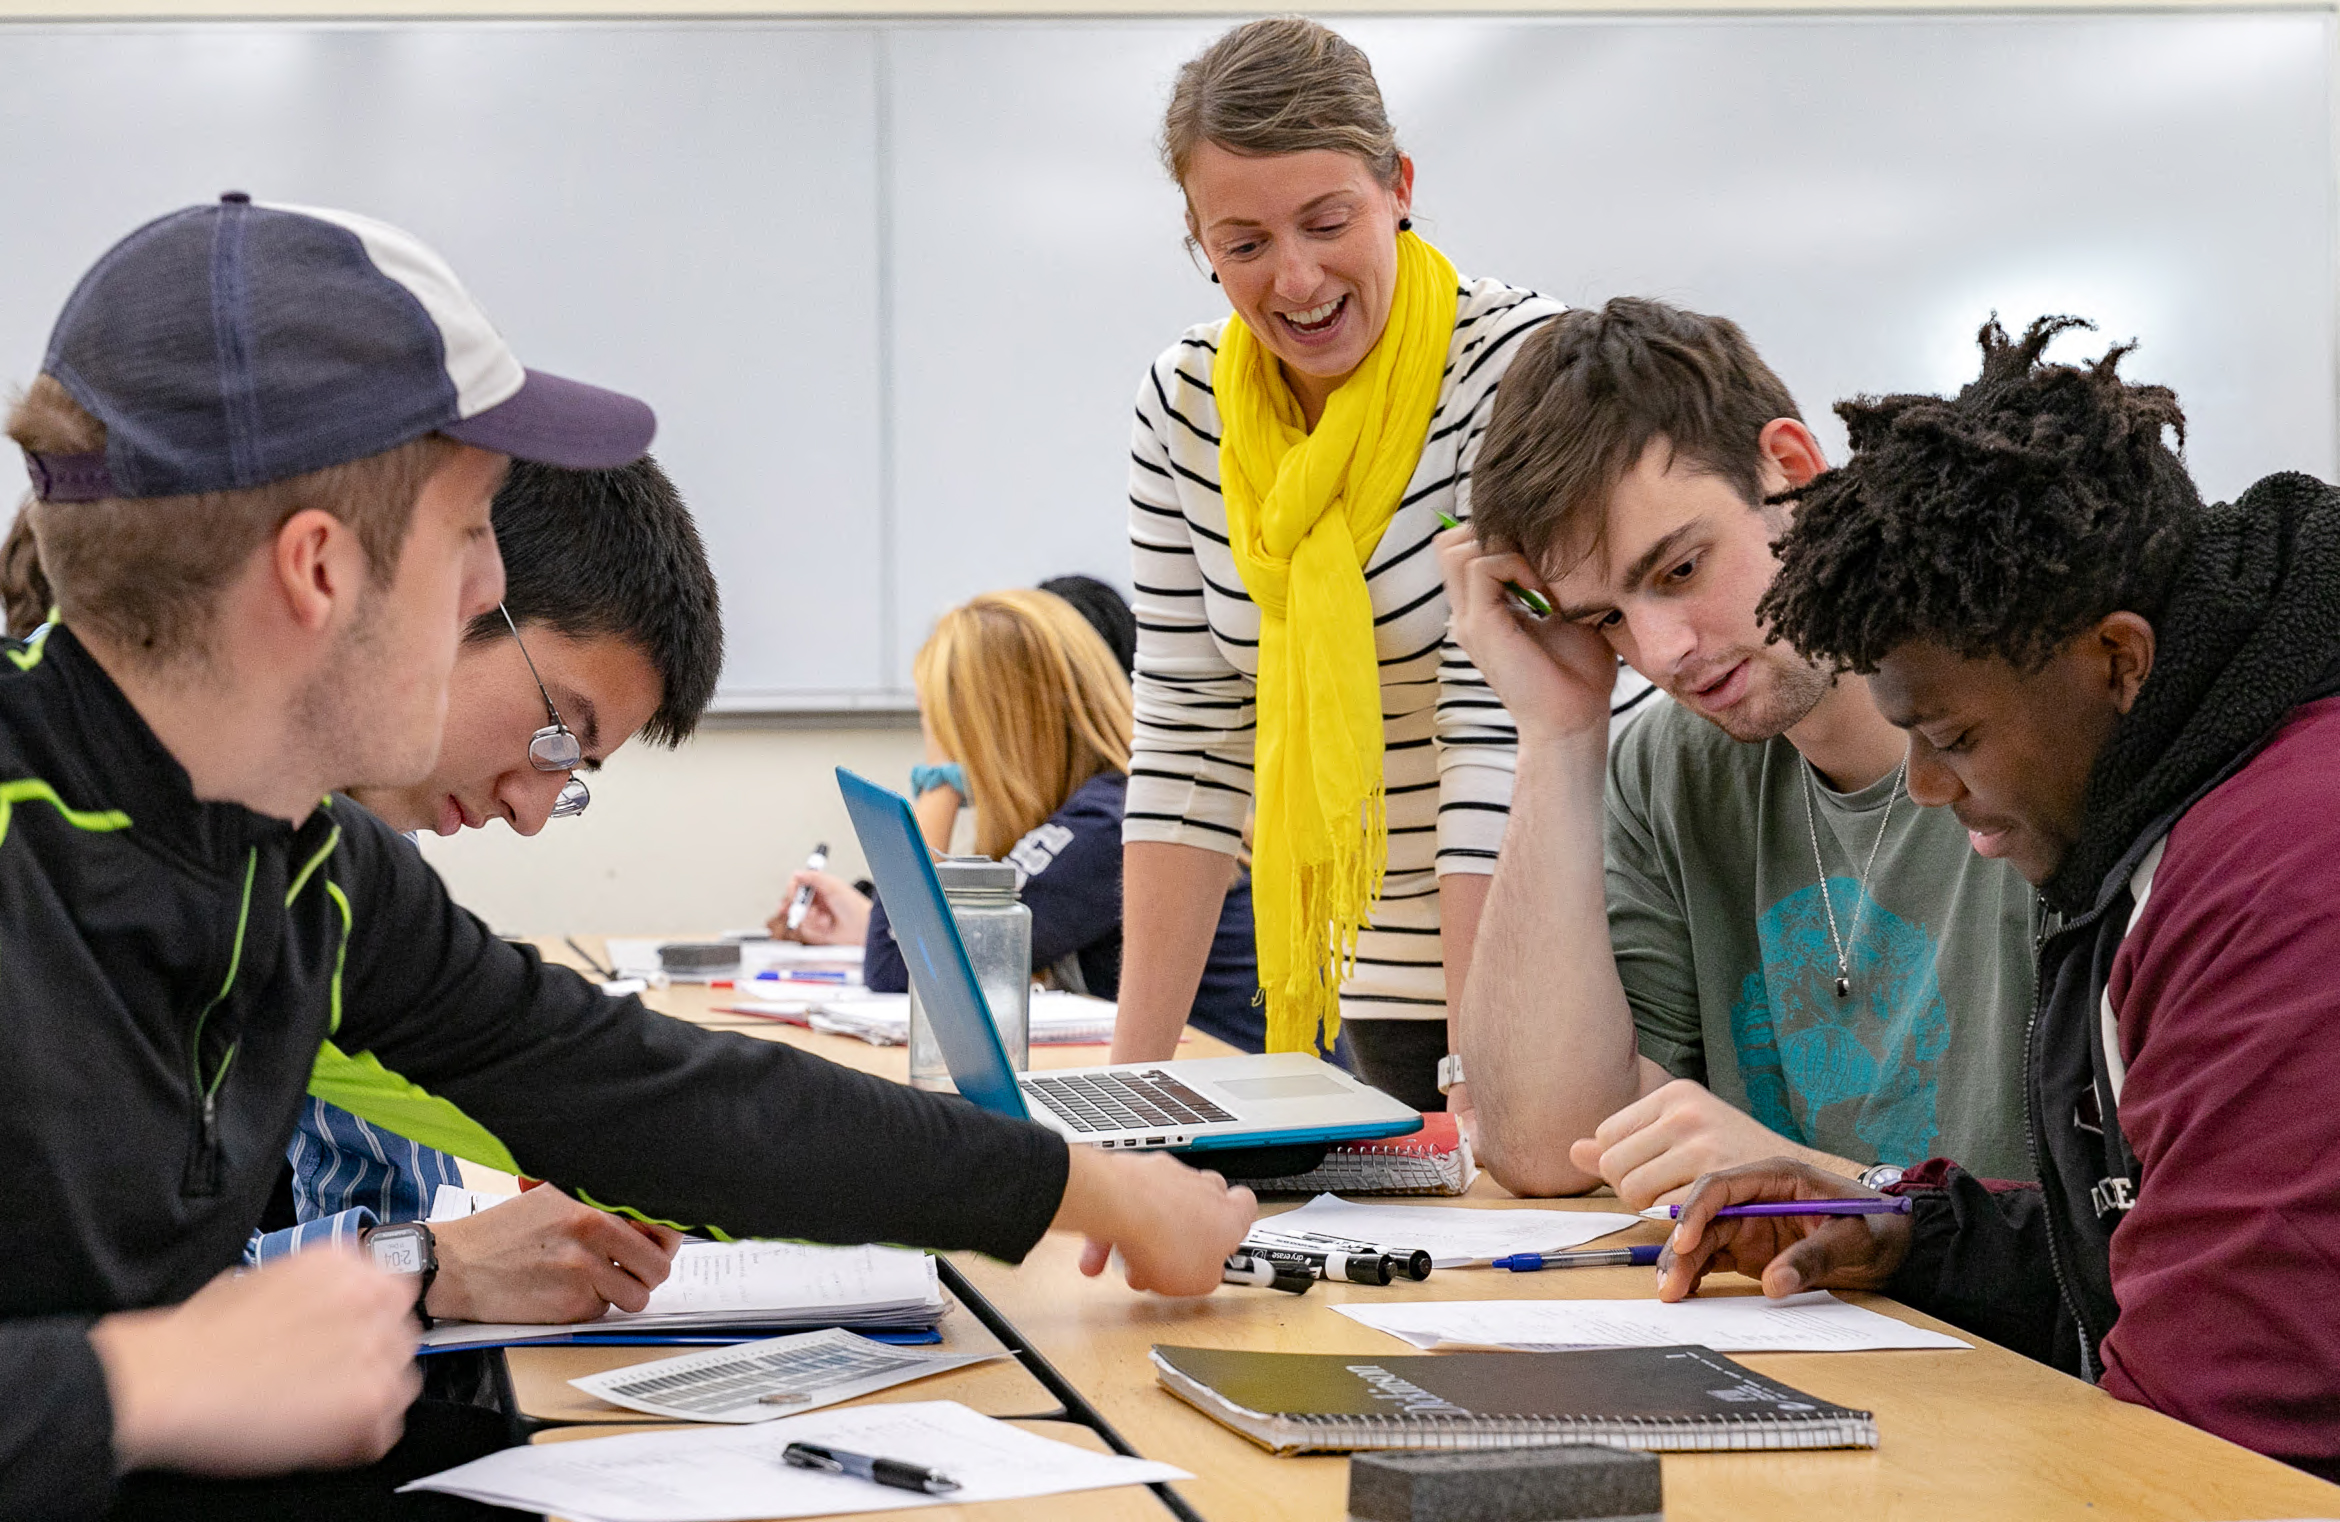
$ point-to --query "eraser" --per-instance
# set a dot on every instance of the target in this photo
(698, 956)
(1572, 1482)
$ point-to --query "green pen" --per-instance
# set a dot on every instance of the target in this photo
(1525, 599)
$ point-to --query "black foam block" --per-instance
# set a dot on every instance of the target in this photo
(1564, 1483)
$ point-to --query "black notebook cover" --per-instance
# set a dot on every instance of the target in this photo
(1656, 1398)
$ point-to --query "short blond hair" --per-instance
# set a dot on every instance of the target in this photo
(1022, 692)
(1285, 84)
(144, 574)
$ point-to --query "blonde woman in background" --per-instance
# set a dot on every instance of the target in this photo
(1019, 692)
(1290, 465)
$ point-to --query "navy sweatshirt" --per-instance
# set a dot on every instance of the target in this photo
(1071, 866)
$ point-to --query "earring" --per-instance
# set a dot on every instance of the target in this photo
(1405, 224)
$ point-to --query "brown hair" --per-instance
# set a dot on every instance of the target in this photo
(1591, 390)
(24, 588)
(1022, 693)
(142, 574)
(1285, 84)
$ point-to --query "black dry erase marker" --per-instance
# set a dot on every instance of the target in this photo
(1339, 1267)
(1245, 1268)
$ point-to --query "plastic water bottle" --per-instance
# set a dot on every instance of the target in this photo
(997, 930)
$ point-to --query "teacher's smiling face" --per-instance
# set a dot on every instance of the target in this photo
(1305, 245)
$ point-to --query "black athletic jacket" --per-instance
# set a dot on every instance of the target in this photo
(169, 970)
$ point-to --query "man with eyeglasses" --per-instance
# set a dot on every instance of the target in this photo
(609, 615)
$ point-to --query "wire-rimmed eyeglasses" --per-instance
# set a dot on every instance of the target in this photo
(553, 748)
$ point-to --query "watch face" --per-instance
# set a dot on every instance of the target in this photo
(398, 1249)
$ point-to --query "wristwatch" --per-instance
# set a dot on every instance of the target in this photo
(1449, 1072)
(406, 1247)
(1880, 1176)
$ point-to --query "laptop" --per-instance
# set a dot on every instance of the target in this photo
(1199, 1105)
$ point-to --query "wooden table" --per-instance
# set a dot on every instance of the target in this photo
(540, 1376)
(1962, 1435)
(1965, 1435)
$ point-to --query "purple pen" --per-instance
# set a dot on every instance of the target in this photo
(1868, 1205)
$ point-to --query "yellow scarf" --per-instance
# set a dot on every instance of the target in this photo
(1304, 512)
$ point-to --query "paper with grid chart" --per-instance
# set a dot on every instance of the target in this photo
(734, 1474)
(758, 1381)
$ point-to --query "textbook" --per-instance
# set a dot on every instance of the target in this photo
(1434, 1160)
(761, 1288)
(1664, 1400)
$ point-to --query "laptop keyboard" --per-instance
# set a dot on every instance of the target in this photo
(1123, 1101)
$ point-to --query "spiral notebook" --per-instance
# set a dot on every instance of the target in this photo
(1434, 1160)
(1664, 1400)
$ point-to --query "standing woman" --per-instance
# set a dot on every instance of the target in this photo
(1289, 467)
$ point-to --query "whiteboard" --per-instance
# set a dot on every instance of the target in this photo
(892, 285)
(689, 213)
(1859, 192)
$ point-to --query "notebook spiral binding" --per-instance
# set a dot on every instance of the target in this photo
(1721, 1434)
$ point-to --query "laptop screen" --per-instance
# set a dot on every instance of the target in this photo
(903, 869)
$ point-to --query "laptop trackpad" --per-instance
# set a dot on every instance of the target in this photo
(1287, 1086)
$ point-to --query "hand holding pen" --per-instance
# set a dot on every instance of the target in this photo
(1813, 1230)
(1525, 600)
(803, 897)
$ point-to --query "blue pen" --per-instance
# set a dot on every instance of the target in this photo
(1597, 1257)
(861, 1466)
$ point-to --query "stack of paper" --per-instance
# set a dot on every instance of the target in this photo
(776, 1286)
(732, 1474)
(1814, 1322)
(1058, 1018)
(1454, 1235)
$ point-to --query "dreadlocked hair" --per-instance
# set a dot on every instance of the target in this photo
(1996, 523)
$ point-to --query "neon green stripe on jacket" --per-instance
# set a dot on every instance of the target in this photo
(370, 1091)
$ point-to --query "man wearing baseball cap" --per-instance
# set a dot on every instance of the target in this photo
(263, 445)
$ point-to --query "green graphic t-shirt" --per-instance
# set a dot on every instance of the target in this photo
(1723, 945)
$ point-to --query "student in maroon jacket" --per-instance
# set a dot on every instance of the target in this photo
(2132, 698)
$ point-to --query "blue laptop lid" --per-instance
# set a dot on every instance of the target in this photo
(903, 869)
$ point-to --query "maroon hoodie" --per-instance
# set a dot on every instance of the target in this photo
(2226, 997)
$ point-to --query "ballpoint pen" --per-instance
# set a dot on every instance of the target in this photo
(861, 1466)
(803, 897)
(609, 974)
(1883, 1204)
(1526, 599)
(1593, 1257)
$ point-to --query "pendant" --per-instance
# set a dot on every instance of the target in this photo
(1843, 986)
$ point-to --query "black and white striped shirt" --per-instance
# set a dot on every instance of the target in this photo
(1449, 745)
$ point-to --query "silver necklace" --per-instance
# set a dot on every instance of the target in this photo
(1812, 828)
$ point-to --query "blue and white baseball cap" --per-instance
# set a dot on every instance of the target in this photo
(228, 346)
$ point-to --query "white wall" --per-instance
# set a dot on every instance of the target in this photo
(692, 840)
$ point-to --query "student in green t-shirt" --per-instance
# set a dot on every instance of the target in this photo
(1784, 955)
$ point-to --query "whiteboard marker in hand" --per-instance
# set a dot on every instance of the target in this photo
(802, 900)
